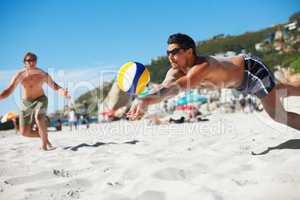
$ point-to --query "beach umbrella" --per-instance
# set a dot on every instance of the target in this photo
(191, 99)
(182, 101)
(8, 117)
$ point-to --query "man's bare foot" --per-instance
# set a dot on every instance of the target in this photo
(44, 147)
(50, 148)
(49, 144)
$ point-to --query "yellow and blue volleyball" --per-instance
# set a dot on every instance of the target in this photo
(133, 77)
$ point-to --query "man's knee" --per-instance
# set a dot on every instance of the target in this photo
(24, 131)
(274, 108)
(271, 113)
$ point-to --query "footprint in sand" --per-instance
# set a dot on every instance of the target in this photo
(131, 174)
(151, 195)
(4, 152)
(171, 174)
(39, 177)
(13, 169)
(32, 178)
(245, 182)
(72, 186)
(61, 173)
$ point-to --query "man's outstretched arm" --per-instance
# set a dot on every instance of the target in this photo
(139, 106)
(186, 82)
(11, 87)
(158, 95)
(52, 84)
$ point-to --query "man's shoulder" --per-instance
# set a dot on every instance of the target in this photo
(203, 61)
(172, 75)
(41, 70)
(19, 72)
(201, 66)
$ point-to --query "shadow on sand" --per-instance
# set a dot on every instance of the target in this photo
(290, 144)
(97, 144)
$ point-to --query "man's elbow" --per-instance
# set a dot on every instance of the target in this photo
(57, 87)
(54, 87)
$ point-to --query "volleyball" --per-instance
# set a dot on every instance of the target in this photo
(133, 77)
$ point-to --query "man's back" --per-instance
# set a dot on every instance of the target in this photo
(218, 72)
(223, 72)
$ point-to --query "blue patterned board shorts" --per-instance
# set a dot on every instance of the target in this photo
(258, 79)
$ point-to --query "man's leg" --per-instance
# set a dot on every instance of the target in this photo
(25, 126)
(275, 109)
(26, 130)
(288, 89)
(42, 129)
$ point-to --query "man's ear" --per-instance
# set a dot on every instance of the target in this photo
(190, 51)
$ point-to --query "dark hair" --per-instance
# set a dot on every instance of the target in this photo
(31, 55)
(184, 41)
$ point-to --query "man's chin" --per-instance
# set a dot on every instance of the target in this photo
(177, 67)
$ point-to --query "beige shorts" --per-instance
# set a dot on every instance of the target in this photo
(29, 109)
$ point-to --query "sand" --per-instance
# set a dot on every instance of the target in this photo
(135, 161)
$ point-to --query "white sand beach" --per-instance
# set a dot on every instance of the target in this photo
(123, 160)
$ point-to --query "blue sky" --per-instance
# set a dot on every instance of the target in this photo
(77, 39)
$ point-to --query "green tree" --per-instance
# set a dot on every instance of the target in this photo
(296, 65)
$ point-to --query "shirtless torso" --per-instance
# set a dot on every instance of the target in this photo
(225, 72)
(32, 81)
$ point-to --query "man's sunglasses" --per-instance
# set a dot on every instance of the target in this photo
(173, 52)
(29, 60)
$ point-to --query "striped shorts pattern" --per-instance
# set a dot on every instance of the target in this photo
(258, 79)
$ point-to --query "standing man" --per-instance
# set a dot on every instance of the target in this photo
(247, 74)
(35, 102)
(72, 119)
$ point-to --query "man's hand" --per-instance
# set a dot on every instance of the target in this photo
(56, 87)
(12, 85)
(137, 110)
(140, 105)
(64, 93)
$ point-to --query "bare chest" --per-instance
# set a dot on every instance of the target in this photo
(33, 80)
